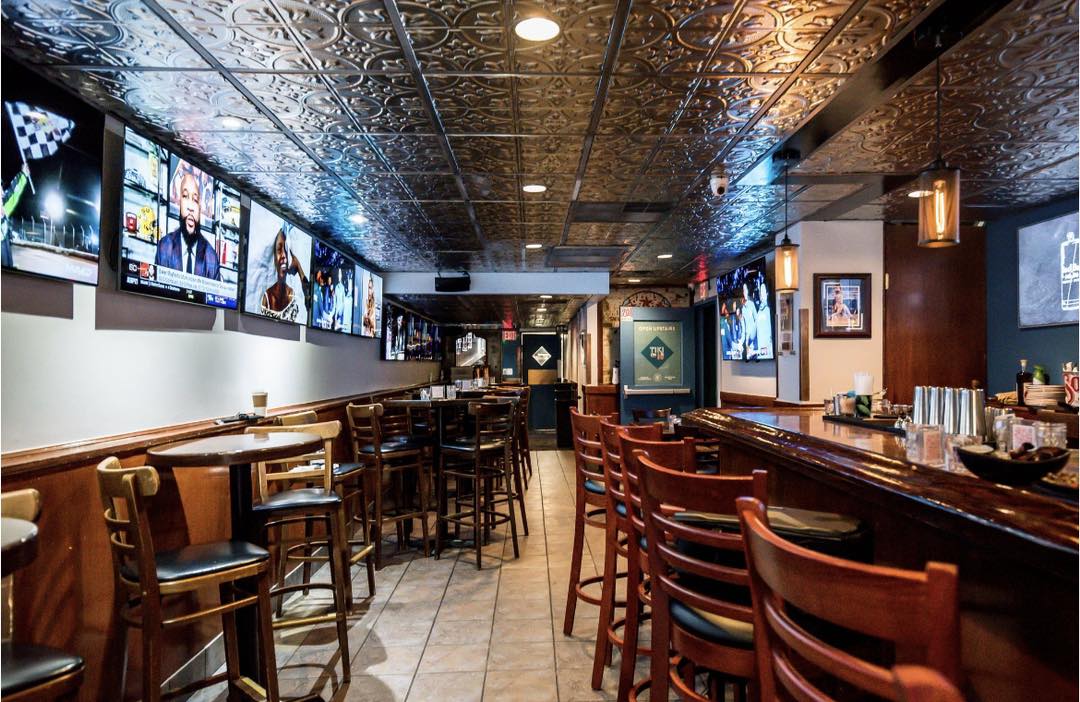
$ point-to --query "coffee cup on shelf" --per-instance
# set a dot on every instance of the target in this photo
(258, 403)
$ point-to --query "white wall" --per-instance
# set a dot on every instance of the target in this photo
(79, 362)
(843, 247)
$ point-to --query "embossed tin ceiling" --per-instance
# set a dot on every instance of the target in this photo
(430, 116)
(522, 310)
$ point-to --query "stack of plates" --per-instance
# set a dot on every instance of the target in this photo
(1044, 395)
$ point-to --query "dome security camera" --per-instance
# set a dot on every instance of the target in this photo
(718, 184)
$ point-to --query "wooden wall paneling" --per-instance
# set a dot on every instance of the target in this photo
(804, 355)
(935, 312)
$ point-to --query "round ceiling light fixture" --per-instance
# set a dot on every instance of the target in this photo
(232, 122)
(545, 297)
(537, 27)
(534, 246)
(663, 256)
(358, 218)
(920, 193)
(534, 188)
(634, 280)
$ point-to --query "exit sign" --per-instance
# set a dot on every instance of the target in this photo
(510, 335)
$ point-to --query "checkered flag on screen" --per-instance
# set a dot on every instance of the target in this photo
(38, 132)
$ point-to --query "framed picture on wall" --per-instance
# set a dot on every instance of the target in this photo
(842, 305)
(784, 305)
(1048, 272)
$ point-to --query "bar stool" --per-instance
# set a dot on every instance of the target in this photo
(32, 672)
(391, 457)
(642, 416)
(347, 482)
(915, 611)
(143, 579)
(623, 446)
(294, 506)
(485, 461)
(700, 606)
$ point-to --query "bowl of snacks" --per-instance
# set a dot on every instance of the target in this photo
(1017, 468)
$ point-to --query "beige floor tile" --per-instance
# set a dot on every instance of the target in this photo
(521, 656)
(457, 632)
(447, 687)
(521, 631)
(520, 686)
(382, 688)
(462, 658)
(468, 609)
(574, 654)
(375, 658)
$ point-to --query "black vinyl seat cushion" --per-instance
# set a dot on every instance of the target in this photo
(397, 444)
(595, 487)
(824, 532)
(342, 470)
(201, 559)
(26, 666)
(302, 498)
(469, 445)
(713, 627)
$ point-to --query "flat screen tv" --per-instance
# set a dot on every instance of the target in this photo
(278, 268)
(436, 341)
(51, 172)
(1049, 272)
(367, 316)
(746, 319)
(412, 337)
(179, 228)
(393, 333)
(333, 288)
(469, 350)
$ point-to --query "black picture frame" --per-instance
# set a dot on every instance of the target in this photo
(852, 323)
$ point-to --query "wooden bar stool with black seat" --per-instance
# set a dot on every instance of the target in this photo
(394, 457)
(624, 445)
(277, 511)
(349, 483)
(29, 672)
(590, 502)
(485, 461)
(700, 587)
(143, 579)
(914, 613)
(650, 416)
(616, 543)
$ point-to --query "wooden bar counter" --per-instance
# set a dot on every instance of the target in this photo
(1017, 550)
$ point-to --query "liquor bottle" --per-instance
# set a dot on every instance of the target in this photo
(1023, 379)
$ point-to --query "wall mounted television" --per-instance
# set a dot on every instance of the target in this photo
(51, 173)
(179, 228)
(393, 333)
(746, 318)
(368, 312)
(333, 287)
(277, 269)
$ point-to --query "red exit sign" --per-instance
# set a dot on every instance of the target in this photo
(510, 335)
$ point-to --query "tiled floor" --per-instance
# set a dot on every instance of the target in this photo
(444, 631)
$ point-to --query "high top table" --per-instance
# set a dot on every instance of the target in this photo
(238, 451)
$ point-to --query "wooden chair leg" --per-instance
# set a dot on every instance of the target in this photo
(307, 551)
(281, 567)
(376, 520)
(151, 651)
(602, 655)
(266, 639)
(633, 620)
(345, 550)
(440, 500)
(338, 571)
(478, 520)
(660, 666)
(423, 479)
(510, 506)
(369, 560)
(575, 562)
(228, 631)
(516, 481)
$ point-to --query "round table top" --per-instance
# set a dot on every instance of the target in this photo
(234, 449)
(18, 543)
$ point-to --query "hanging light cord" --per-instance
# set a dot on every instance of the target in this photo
(785, 199)
(937, 71)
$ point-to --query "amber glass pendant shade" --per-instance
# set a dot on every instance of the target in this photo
(787, 266)
(939, 207)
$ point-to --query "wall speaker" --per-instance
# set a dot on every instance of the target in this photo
(456, 284)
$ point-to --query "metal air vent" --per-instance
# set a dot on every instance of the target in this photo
(605, 257)
(620, 211)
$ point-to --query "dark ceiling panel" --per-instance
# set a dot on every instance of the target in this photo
(429, 117)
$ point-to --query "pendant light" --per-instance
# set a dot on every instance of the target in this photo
(787, 251)
(939, 193)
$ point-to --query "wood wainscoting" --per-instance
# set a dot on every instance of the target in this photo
(601, 399)
(65, 597)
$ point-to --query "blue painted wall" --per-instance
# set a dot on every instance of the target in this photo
(1006, 342)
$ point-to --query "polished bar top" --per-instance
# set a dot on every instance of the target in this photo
(862, 457)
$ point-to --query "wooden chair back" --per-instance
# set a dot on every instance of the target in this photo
(917, 683)
(493, 421)
(302, 467)
(676, 547)
(365, 428)
(588, 451)
(612, 453)
(22, 504)
(650, 415)
(395, 423)
(916, 611)
(645, 440)
(124, 493)
(292, 420)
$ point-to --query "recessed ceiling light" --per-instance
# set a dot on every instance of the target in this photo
(664, 256)
(537, 28)
(545, 297)
(541, 309)
(232, 122)
(919, 193)
(635, 280)
(534, 246)
(534, 188)
(358, 218)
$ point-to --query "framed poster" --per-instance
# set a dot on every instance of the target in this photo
(1048, 272)
(842, 305)
(658, 353)
(785, 303)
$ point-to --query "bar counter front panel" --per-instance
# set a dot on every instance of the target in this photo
(1016, 550)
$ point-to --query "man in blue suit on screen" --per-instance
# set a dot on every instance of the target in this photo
(185, 248)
